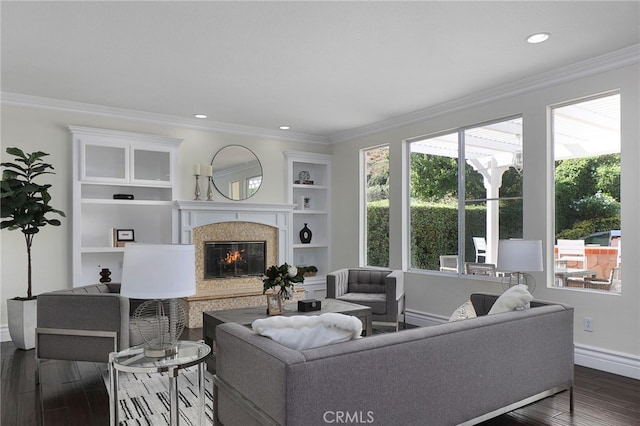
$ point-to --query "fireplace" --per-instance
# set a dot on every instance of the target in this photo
(202, 222)
(224, 259)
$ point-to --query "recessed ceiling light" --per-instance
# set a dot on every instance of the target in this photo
(200, 116)
(537, 38)
(285, 127)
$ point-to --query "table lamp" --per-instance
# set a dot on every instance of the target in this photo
(161, 273)
(518, 257)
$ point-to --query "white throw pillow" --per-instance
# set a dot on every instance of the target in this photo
(463, 312)
(304, 332)
(515, 298)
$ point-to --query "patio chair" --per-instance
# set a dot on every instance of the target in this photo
(449, 263)
(604, 284)
(572, 251)
(473, 268)
(480, 244)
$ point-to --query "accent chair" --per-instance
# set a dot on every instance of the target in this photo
(380, 289)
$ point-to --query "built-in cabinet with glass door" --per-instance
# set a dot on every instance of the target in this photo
(123, 187)
(309, 188)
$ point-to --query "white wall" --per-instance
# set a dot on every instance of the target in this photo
(616, 317)
(33, 129)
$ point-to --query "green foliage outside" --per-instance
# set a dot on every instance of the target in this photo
(587, 189)
(378, 174)
(586, 227)
(434, 231)
(378, 233)
(587, 201)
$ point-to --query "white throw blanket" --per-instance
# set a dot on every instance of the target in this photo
(304, 332)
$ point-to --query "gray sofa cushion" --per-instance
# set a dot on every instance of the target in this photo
(367, 281)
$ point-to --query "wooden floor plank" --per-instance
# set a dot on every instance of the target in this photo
(73, 393)
(99, 403)
(29, 410)
(76, 402)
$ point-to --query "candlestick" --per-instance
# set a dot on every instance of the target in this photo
(209, 189)
(197, 190)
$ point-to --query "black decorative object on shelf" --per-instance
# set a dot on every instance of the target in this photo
(305, 235)
(105, 275)
(123, 196)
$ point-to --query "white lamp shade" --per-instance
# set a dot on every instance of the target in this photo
(158, 271)
(519, 255)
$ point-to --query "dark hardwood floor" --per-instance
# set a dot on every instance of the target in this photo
(73, 393)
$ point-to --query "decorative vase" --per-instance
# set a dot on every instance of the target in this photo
(105, 275)
(305, 235)
(22, 322)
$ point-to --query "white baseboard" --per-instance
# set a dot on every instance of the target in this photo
(4, 334)
(614, 362)
(620, 363)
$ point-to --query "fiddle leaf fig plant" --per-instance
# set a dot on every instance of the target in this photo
(24, 204)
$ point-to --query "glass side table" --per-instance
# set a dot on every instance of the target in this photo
(132, 360)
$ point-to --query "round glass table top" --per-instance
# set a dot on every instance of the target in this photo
(133, 359)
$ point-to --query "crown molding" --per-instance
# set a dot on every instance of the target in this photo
(610, 61)
(8, 98)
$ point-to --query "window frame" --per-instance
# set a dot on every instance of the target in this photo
(461, 188)
(552, 188)
(363, 260)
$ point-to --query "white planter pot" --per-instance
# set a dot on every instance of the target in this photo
(22, 322)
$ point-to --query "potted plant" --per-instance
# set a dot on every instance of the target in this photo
(308, 271)
(24, 206)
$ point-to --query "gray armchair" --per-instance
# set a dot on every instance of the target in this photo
(380, 289)
(82, 323)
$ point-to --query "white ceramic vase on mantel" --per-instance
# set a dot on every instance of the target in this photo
(22, 322)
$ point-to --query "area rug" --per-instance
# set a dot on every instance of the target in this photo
(144, 398)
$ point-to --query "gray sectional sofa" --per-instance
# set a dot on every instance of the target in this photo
(460, 372)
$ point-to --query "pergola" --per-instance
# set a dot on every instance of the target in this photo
(584, 129)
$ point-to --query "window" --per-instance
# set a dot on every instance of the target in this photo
(375, 247)
(234, 190)
(465, 194)
(253, 184)
(586, 149)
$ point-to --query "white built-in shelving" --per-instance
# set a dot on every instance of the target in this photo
(109, 162)
(316, 214)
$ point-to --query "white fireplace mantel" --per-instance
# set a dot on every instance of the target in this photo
(192, 214)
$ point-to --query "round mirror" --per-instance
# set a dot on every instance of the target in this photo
(237, 173)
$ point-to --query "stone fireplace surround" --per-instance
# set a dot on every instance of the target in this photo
(202, 221)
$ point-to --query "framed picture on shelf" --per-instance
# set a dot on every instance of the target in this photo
(274, 305)
(123, 236)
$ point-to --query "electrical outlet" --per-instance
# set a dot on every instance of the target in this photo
(588, 324)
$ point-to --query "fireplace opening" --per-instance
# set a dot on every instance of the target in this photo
(223, 259)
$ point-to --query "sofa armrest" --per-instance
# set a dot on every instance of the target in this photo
(395, 285)
(79, 314)
(337, 283)
(256, 367)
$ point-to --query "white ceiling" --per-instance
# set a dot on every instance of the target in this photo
(323, 68)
